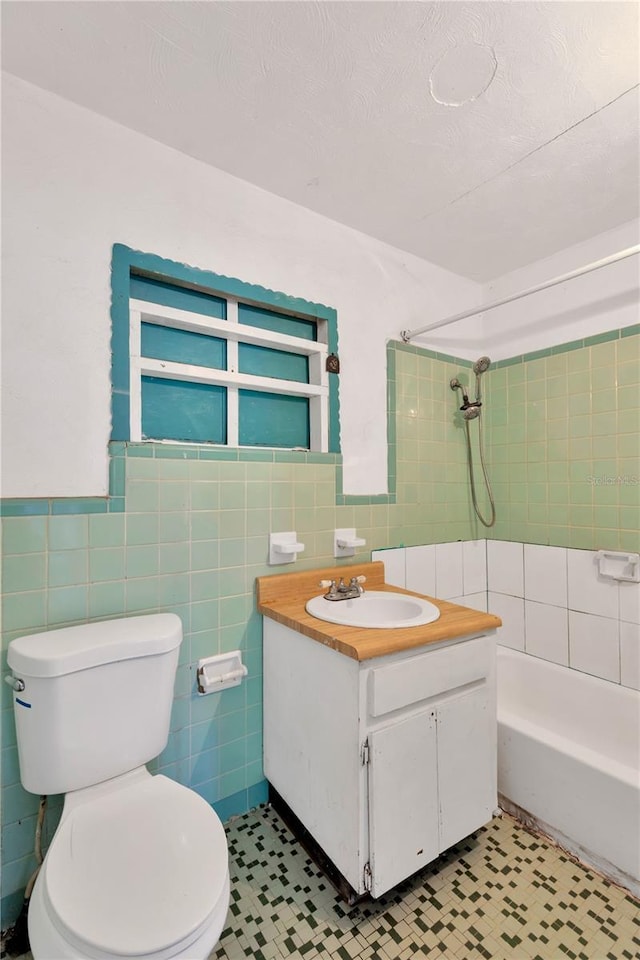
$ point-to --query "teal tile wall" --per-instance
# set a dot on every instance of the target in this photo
(427, 450)
(192, 539)
(563, 443)
(186, 530)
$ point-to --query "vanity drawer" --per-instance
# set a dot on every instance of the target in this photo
(401, 684)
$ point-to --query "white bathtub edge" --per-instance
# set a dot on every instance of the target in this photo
(546, 735)
(588, 859)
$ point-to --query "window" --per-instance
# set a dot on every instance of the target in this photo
(218, 362)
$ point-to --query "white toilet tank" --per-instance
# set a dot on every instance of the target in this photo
(96, 701)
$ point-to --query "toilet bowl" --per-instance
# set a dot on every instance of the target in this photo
(138, 867)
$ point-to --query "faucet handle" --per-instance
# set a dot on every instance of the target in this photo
(356, 585)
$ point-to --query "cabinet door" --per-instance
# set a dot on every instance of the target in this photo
(466, 765)
(403, 800)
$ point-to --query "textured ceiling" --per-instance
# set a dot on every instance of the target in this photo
(480, 136)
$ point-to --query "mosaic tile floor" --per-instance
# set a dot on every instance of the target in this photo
(503, 894)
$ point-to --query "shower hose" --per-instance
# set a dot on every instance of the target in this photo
(486, 523)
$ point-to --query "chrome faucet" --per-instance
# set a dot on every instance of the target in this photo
(343, 591)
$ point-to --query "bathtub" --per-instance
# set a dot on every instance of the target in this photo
(568, 761)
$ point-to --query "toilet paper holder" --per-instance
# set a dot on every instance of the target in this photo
(220, 672)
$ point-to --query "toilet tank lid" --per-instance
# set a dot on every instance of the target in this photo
(59, 652)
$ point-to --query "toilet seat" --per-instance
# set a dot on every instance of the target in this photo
(137, 872)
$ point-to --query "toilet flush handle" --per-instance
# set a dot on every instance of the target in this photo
(15, 683)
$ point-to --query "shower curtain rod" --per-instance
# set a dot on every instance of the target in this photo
(407, 335)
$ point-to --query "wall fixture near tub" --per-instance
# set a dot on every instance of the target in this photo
(618, 566)
(471, 410)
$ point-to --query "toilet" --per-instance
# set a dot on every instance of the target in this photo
(138, 867)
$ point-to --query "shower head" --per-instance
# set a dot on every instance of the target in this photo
(471, 411)
(481, 366)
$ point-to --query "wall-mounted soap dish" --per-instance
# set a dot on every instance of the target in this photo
(284, 547)
(616, 565)
(346, 542)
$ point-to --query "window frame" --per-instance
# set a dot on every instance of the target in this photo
(129, 366)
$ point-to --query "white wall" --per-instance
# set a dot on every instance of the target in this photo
(75, 183)
(606, 299)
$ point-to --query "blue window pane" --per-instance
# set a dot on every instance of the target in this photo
(181, 410)
(272, 420)
(278, 322)
(171, 295)
(278, 364)
(182, 346)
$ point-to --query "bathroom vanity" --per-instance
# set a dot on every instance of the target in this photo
(381, 742)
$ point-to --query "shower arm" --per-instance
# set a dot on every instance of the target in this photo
(408, 335)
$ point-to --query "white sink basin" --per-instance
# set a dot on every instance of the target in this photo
(381, 610)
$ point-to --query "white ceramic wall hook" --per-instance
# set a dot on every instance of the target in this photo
(284, 547)
(345, 542)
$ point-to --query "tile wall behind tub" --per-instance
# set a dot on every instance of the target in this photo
(192, 539)
(428, 446)
(563, 444)
(555, 605)
(552, 601)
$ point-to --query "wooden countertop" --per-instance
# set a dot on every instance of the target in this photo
(283, 596)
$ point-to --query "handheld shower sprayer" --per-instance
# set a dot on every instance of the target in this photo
(480, 366)
(471, 411)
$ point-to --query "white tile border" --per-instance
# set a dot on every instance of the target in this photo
(587, 591)
(630, 655)
(594, 645)
(629, 596)
(545, 574)
(505, 567)
(394, 565)
(553, 603)
(449, 570)
(546, 631)
(474, 566)
(511, 612)
(421, 569)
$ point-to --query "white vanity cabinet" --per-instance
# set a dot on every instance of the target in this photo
(387, 762)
